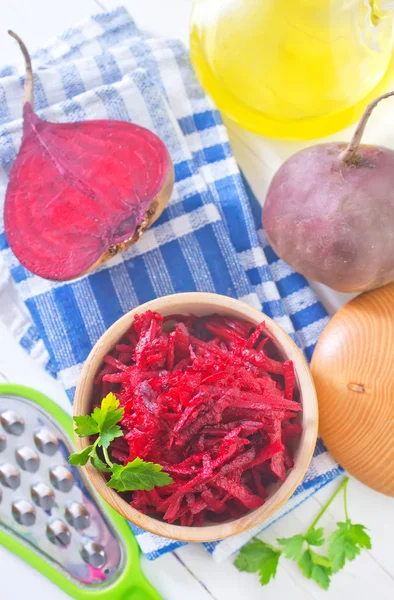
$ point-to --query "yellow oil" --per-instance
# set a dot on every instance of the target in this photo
(295, 69)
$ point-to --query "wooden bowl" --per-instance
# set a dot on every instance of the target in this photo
(203, 304)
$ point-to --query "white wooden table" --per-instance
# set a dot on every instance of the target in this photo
(190, 572)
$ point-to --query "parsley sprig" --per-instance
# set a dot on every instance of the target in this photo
(344, 544)
(103, 422)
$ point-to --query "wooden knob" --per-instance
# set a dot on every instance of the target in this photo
(353, 369)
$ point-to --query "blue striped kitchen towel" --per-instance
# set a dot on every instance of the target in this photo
(208, 239)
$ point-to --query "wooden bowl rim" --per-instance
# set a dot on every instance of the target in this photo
(210, 303)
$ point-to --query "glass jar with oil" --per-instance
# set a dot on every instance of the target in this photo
(293, 69)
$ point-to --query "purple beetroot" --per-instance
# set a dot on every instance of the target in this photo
(329, 212)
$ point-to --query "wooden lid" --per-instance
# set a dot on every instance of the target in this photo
(353, 369)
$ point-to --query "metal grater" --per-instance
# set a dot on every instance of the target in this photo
(50, 508)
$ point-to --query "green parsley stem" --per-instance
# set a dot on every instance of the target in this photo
(342, 486)
(107, 458)
(345, 498)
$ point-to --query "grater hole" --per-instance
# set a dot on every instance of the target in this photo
(43, 496)
(94, 554)
(27, 459)
(12, 422)
(46, 442)
(23, 513)
(58, 533)
(77, 516)
(3, 443)
(10, 476)
(61, 478)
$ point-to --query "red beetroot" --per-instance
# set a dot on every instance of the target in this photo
(81, 192)
(199, 399)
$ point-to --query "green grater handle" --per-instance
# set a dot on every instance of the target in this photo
(141, 590)
(131, 585)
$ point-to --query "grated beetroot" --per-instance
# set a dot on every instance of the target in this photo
(203, 398)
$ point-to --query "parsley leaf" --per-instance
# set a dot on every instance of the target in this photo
(110, 402)
(138, 475)
(107, 436)
(315, 537)
(292, 547)
(269, 567)
(100, 465)
(80, 458)
(258, 557)
(86, 426)
(252, 555)
(346, 543)
(316, 567)
(109, 412)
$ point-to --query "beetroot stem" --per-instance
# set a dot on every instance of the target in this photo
(28, 95)
(350, 156)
